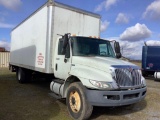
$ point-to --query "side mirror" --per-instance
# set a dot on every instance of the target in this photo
(117, 50)
(66, 47)
(65, 43)
(67, 54)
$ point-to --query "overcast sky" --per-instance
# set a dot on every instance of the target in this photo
(131, 22)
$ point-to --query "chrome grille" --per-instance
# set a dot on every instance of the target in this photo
(127, 77)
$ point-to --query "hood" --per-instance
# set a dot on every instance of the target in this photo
(101, 63)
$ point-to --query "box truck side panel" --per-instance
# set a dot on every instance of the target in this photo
(69, 21)
(29, 42)
(74, 22)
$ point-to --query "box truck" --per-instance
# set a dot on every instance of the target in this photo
(151, 61)
(64, 41)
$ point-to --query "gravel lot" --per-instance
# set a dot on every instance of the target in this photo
(32, 102)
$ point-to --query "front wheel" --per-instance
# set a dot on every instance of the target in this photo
(78, 106)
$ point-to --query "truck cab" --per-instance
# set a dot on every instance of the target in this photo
(90, 74)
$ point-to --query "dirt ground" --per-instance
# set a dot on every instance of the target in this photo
(32, 102)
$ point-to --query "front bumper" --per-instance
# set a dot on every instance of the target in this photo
(115, 98)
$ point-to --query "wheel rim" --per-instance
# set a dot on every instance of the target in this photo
(75, 101)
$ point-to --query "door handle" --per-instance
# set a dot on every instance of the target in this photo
(56, 67)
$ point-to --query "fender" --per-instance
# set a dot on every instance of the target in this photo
(84, 74)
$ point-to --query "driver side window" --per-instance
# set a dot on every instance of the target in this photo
(60, 47)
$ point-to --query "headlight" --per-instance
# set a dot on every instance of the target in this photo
(101, 85)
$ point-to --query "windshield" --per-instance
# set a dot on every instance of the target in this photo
(82, 46)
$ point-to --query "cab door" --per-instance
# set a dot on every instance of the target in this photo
(62, 65)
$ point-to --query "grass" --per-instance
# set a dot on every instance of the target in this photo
(32, 102)
(137, 63)
(28, 101)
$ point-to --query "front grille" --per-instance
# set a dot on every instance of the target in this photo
(127, 77)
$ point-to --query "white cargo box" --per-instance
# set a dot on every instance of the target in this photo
(33, 40)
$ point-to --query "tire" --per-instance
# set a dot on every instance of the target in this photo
(11, 68)
(23, 75)
(78, 106)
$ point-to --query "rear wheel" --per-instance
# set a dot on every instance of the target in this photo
(78, 106)
(23, 75)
